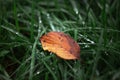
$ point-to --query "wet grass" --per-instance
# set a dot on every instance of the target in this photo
(93, 24)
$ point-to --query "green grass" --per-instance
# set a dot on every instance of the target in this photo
(94, 24)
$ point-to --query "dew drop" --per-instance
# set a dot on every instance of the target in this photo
(38, 72)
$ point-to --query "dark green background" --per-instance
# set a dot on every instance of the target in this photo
(94, 24)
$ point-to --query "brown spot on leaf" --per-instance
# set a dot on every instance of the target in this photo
(71, 52)
(44, 40)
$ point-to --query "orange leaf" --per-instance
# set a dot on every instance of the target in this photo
(61, 44)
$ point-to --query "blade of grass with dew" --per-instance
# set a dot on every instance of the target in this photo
(97, 54)
(33, 55)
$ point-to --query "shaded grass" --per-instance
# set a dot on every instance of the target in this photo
(93, 24)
